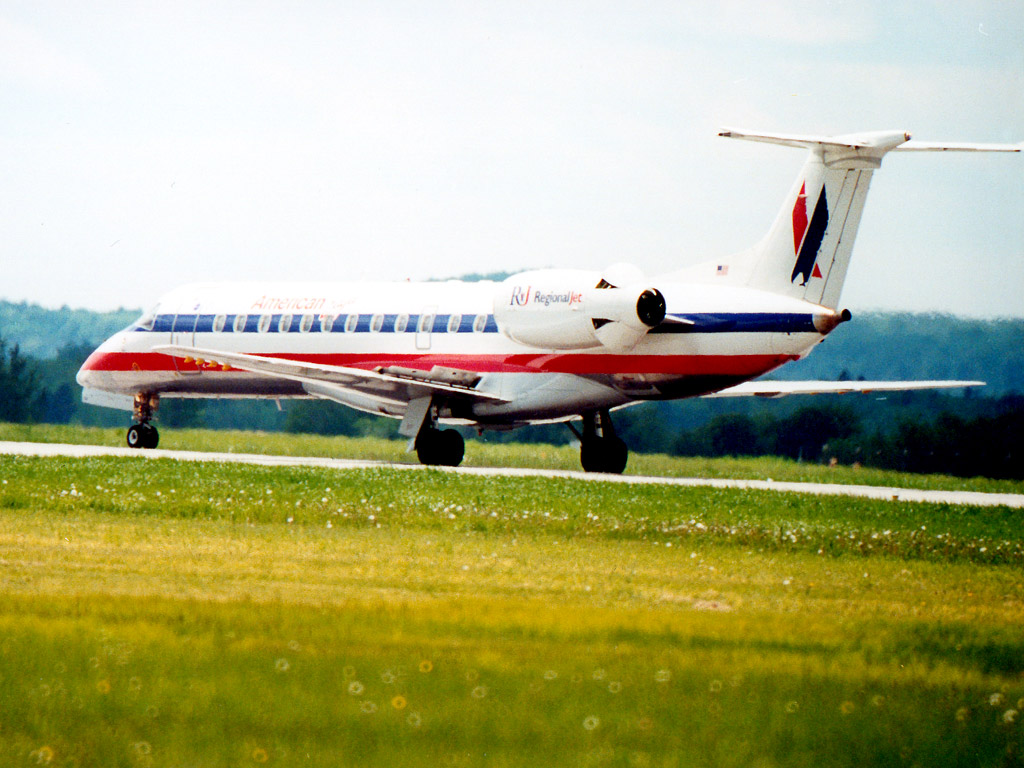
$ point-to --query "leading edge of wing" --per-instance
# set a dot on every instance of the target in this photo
(297, 370)
(784, 388)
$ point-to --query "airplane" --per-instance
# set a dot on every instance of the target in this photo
(542, 346)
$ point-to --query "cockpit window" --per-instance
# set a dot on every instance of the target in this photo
(147, 321)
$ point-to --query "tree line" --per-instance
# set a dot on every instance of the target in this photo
(916, 431)
(984, 445)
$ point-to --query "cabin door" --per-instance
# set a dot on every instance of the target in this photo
(183, 333)
(425, 327)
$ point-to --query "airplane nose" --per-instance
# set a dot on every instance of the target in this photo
(90, 374)
(95, 372)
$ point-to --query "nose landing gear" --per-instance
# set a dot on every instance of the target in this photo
(142, 434)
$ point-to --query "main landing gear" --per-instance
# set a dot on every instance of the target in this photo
(600, 449)
(439, 447)
(434, 447)
(142, 434)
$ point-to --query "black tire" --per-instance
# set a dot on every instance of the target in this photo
(604, 454)
(142, 436)
(437, 448)
(136, 437)
(452, 448)
(616, 456)
(426, 446)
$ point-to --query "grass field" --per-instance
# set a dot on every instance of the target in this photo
(157, 613)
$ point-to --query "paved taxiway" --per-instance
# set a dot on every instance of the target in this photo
(973, 498)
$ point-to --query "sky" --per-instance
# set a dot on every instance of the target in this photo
(146, 145)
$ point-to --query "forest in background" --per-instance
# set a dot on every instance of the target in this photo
(974, 432)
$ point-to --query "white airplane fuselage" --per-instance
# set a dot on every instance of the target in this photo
(729, 335)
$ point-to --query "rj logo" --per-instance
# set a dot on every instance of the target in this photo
(520, 296)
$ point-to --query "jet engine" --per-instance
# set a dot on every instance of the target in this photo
(575, 309)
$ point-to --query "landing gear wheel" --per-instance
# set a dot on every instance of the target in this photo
(600, 449)
(444, 448)
(142, 436)
(136, 438)
(152, 437)
(604, 454)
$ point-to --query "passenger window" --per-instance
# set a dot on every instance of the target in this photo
(285, 324)
(350, 323)
(239, 323)
(218, 323)
(326, 323)
(453, 323)
(376, 323)
(479, 323)
(401, 323)
(264, 324)
(306, 323)
(426, 324)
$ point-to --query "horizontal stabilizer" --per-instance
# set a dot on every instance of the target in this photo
(898, 141)
(884, 140)
(957, 146)
(783, 388)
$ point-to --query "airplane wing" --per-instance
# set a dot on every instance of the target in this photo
(390, 384)
(783, 388)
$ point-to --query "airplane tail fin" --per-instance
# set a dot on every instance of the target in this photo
(807, 250)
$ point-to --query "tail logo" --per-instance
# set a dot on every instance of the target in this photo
(807, 236)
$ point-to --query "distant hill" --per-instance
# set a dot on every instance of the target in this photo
(42, 332)
(920, 346)
(872, 346)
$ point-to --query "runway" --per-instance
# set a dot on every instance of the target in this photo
(971, 498)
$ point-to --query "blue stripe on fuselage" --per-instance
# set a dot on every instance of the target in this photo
(739, 322)
(702, 322)
(189, 323)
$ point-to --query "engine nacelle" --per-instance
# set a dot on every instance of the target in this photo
(574, 309)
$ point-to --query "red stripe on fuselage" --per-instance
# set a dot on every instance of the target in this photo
(673, 365)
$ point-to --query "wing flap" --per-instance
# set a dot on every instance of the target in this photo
(784, 388)
(392, 384)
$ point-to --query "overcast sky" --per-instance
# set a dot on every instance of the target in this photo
(143, 145)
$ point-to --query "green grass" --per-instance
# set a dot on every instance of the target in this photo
(166, 613)
(483, 454)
